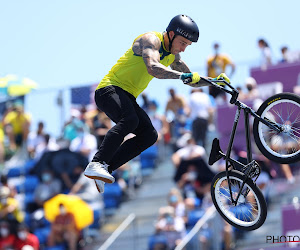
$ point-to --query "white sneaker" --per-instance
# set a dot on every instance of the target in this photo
(99, 185)
(96, 170)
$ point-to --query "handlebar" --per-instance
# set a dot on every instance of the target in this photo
(232, 91)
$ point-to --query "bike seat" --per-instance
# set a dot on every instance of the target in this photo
(216, 152)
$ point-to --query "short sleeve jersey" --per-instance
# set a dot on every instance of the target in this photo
(217, 64)
(130, 72)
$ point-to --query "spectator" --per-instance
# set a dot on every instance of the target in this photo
(251, 86)
(25, 239)
(2, 148)
(296, 90)
(216, 64)
(195, 183)
(35, 139)
(287, 172)
(9, 208)
(68, 165)
(83, 113)
(228, 236)
(201, 113)
(176, 113)
(5, 130)
(159, 121)
(17, 125)
(171, 226)
(63, 229)
(175, 200)
(7, 238)
(263, 182)
(48, 145)
(48, 188)
(284, 55)
(159, 243)
(175, 104)
(71, 127)
(129, 177)
(266, 54)
(100, 125)
(288, 56)
(242, 94)
(85, 143)
(12, 188)
(189, 151)
(88, 118)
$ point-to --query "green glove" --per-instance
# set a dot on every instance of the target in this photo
(222, 76)
(194, 76)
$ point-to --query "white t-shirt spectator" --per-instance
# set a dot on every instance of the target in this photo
(199, 103)
(191, 151)
(34, 140)
(85, 142)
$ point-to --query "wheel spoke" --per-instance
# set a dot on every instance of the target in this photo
(297, 120)
(279, 115)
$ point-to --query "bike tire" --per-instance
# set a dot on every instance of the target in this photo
(231, 216)
(284, 147)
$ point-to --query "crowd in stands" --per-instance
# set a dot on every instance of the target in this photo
(35, 167)
(267, 58)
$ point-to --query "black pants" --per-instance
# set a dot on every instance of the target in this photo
(199, 130)
(122, 108)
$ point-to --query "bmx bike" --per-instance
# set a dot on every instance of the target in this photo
(276, 131)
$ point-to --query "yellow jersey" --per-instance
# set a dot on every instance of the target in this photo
(17, 213)
(217, 64)
(17, 121)
(130, 72)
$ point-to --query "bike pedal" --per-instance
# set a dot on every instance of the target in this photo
(252, 169)
(216, 152)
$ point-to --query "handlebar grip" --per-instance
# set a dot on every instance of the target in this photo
(187, 80)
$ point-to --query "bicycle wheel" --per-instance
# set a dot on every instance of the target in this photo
(284, 110)
(250, 212)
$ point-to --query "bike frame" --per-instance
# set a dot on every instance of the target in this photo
(247, 111)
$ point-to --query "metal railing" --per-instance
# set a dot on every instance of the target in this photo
(208, 215)
(130, 218)
(113, 239)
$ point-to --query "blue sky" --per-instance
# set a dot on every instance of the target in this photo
(67, 43)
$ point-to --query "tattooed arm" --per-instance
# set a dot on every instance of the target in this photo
(179, 65)
(148, 47)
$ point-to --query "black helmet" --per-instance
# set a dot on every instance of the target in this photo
(185, 26)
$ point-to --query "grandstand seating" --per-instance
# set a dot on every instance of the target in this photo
(148, 160)
(42, 234)
(28, 185)
(112, 196)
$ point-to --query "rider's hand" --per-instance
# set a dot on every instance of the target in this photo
(194, 76)
(222, 76)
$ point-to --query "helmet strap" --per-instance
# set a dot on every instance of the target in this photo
(170, 41)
